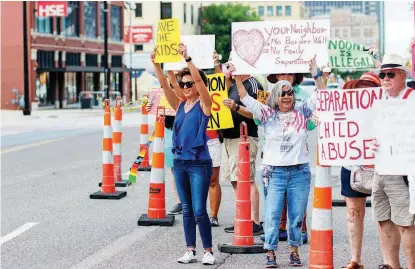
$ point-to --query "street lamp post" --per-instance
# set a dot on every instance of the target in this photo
(106, 66)
(26, 109)
(130, 5)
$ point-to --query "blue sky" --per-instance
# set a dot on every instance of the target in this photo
(399, 26)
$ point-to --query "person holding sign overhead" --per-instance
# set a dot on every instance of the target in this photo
(192, 163)
(285, 167)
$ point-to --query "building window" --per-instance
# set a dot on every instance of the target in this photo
(138, 47)
(90, 15)
(138, 10)
(166, 12)
(287, 10)
(345, 33)
(270, 11)
(73, 59)
(70, 88)
(199, 16)
(191, 14)
(337, 33)
(261, 11)
(278, 10)
(71, 22)
(91, 60)
(45, 59)
(368, 32)
(184, 13)
(44, 25)
(116, 61)
(355, 32)
(101, 18)
(116, 23)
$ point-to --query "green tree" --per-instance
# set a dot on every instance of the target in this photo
(217, 20)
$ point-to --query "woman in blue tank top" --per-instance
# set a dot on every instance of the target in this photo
(192, 163)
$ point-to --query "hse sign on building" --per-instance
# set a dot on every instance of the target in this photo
(51, 8)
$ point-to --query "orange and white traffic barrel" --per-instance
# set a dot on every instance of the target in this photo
(108, 181)
(243, 240)
(145, 164)
(156, 214)
(321, 239)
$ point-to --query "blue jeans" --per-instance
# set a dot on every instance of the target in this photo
(192, 181)
(278, 180)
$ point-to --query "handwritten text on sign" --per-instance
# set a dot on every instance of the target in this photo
(395, 134)
(158, 98)
(345, 129)
(281, 46)
(348, 54)
(221, 117)
(200, 47)
(167, 41)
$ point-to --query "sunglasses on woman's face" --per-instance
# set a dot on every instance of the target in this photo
(389, 74)
(287, 74)
(187, 84)
(288, 93)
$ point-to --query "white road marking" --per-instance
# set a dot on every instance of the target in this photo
(7, 150)
(116, 247)
(17, 232)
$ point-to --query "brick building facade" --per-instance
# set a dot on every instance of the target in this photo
(65, 54)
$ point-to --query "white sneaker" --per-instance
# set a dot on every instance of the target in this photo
(208, 259)
(188, 257)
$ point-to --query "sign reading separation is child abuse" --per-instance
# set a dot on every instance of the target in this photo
(167, 41)
(221, 117)
(348, 54)
(345, 130)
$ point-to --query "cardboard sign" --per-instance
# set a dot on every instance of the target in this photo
(280, 46)
(344, 54)
(263, 96)
(221, 117)
(345, 129)
(158, 98)
(167, 41)
(51, 8)
(200, 48)
(395, 134)
(140, 34)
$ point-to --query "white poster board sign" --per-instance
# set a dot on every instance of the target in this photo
(279, 46)
(395, 134)
(345, 130)
(200, 48)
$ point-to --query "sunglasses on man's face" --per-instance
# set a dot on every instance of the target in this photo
(288, 93)
(389, 74)
(187, 84)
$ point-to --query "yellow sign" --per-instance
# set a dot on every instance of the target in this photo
(262, 97)
(167, 41)
(221, 117)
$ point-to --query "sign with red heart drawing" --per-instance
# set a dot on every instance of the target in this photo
(279, 46)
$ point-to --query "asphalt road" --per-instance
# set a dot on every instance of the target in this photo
(48, 221)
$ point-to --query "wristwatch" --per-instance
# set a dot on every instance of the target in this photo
(237, 107)
(188, 59)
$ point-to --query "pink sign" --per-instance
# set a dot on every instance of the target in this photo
(52, 9)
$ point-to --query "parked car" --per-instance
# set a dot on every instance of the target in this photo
(308, 85)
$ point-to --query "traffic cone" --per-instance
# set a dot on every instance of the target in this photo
(156, 214)
(145, 165)
(117, 142)
(321, 239)
(243, 240)
(108, 185)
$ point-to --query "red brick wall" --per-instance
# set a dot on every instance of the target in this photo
(11, 52)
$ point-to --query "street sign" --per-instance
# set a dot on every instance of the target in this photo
(52, 9)
(141, 34)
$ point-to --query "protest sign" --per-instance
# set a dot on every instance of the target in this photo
(158, 98)
(347, 54)
(262, 96)
(167, 41)
(200, 48)
(279, 46)
(345, 129)
(395, 134)
(221, 117)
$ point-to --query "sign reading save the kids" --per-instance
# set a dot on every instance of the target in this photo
(167, 41)
(348, 54)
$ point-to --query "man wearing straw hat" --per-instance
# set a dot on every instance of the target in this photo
(390, 194)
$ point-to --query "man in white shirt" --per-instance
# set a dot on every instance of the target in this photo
(390, 194)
